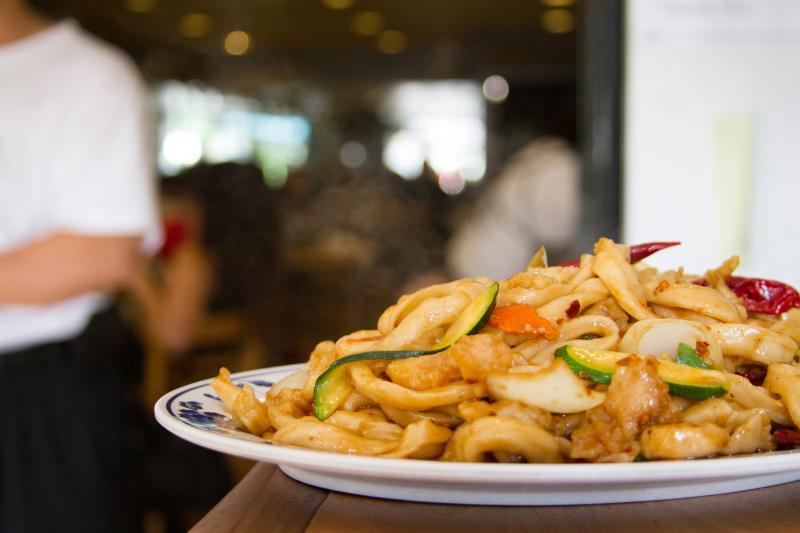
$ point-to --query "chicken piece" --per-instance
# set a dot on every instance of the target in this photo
(423, 373)
(477, 356)
(636, 398)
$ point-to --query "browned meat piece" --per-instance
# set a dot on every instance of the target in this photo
(423, 373)
(480, 355)
(636, 398)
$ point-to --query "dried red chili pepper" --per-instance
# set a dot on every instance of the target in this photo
(636, 252)
(761, 295)
(640, 251)
(573, 309)
(755, 374)
(764, 295)
(787, 438)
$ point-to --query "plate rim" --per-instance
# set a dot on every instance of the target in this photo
(562, 474)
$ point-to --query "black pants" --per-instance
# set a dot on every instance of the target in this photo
(61, 432)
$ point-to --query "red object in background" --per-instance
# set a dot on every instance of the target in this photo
(636, 253)
(764, 295)
(176, 230)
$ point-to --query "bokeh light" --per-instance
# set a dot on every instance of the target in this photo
(182, 148)
(237, 43)
(495, 88)
(392, 42)
(367, 23)
(140, 6)
(195, 25)
(404, 153)
(557, 21)
(353, 154)
(338, 4)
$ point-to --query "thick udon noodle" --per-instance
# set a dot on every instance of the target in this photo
(456, 406)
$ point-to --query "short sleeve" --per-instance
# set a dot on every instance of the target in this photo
(102, 166)
(534, 201)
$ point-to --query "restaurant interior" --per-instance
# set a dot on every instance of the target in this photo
(330, 155)
(337, 145)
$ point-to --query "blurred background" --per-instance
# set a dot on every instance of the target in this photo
(331, 155)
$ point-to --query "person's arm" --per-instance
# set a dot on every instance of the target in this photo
(66, 265)
(172, 310)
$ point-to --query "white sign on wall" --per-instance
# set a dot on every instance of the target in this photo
(712, 133)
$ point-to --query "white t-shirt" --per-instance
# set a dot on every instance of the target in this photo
(75, 156)
(534, 201)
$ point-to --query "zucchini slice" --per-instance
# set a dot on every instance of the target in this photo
(693, 383)
(333, 386)
(686, 355)
(683, 380)
(597, 366)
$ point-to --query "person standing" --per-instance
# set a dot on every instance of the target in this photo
(534, 201)
(77, 213)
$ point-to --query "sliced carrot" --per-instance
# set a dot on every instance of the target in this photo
(521, 318)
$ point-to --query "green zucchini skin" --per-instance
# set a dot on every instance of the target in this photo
(583, 367)
(327, 388)
(694, 392)
(330, 385)
(688, 356)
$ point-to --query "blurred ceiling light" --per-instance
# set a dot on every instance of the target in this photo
(182, 148)
(237, 42)
(392, 42)
(353, 154)
(338, 4)
(557, 21)
(195, 25)
(495, 88)
(367, 23)
(404, 154)
(451, 183)
(140, 6)
(558, 3)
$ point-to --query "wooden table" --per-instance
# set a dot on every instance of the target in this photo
(268, 500)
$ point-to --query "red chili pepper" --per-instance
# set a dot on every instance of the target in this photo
(637, 252)
(755, 374)
(787, 438)
(640, 251)
(573, 309)
(764, 295)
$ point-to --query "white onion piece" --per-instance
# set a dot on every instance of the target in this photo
(660, 337)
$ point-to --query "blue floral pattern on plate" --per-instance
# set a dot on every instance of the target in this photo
(204, 410)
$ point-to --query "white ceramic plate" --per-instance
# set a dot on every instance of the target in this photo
(194, 413)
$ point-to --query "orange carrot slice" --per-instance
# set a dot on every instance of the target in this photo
(521, 318)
